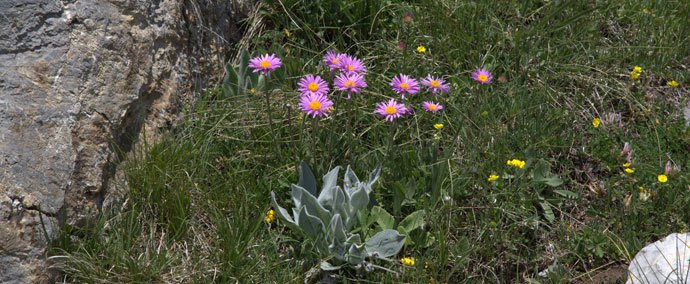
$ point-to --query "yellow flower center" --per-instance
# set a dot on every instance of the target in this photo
(315, 105)
(482, 78)
(350, 84)
(405, 86)
(391, 110)
(435, 84)
(313, 87)
(265, 64)
(433, 107)
(335, 61)
(350, 68)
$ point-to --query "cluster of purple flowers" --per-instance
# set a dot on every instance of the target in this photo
(407, 85)
(348, 76)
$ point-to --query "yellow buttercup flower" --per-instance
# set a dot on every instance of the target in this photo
(270, 216)
(627, 165)
(421, 49)
(438, 126)
(492, 178)
(407, 261)
(596, 122)
(516, 163)
(662, 178)
(629, 170)
(673, 83)
(636, 72)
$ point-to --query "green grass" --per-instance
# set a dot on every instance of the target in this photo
(197, 198)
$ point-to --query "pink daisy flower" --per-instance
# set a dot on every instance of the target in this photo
(432, 107)
(403, 84)
(482, 76)
(351, 64)
(435, 84)
(316, 105)
(350, 82)
(332, 59)
(265, 63)
(390, 110)
(311, 84)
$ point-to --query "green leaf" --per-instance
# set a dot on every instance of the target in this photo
(337, 230)
(358, 200)
(385, 244)
(283, 213)
(310, 225)
(355, 255)
(329, 267)
(383, 218)
(548, 212)
(230, 81)
(326, 198)
(306, 178)
(541, 170)
(567, 194)
(331, 178)
(412, 221)
(553, 181)
(310, 203)
(351, 179)
(373, 177)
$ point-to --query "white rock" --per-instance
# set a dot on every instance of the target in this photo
(665, 261)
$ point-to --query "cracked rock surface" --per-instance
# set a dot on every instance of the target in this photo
(79, 81)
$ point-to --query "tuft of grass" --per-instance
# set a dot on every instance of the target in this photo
(197, 198)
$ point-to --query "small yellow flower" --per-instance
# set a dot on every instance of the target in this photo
(252, 91)
(438, 126)
(637, 71)
(662, 178)
(629, 170)
(516, 163)
(421, 49)
(492, 178)
(407, 261)
(627, 165)
(287, 33)
(673, 83)
(596, 122)
(270, 216)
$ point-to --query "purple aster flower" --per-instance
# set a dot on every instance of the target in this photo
(403, 84)
(435, 84)
(390, 110)
(265, 63)
(311, 84)
(333, 59)
(482, 76)
(351, 64)
(350, 82)
(432, 106)
(315, 105)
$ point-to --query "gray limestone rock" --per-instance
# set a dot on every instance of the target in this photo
(664, 261)
(79, 81)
